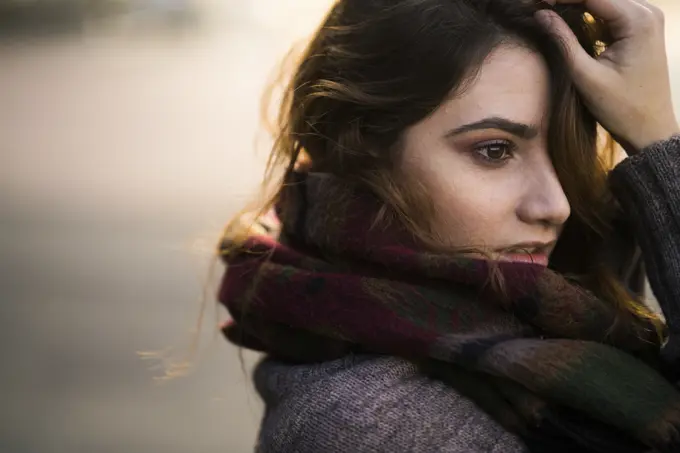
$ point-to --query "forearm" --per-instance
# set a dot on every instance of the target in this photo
(647, 186)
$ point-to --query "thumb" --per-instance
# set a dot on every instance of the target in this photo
(578, 59)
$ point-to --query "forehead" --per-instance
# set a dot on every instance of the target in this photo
(512, 83)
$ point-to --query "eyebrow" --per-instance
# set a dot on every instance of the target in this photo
(521, 130)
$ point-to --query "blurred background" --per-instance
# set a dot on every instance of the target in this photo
(127, 139)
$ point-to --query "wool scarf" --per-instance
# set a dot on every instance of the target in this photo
(527, 343)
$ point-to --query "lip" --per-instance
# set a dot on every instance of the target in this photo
(529, 258)
(528, 252)
(530, 247)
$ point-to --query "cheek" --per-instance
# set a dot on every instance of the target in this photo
(470, 210)
(473, 205)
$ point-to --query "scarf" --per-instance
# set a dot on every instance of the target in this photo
(530, 346)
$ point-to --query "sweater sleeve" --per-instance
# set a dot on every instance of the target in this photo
(367, 404)
(647, 186)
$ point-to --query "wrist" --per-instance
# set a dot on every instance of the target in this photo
(645, 138)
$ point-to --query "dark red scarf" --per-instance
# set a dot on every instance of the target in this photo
(334, 283)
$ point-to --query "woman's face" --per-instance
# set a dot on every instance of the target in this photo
(482, 156)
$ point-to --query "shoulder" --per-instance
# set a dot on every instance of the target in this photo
(370, 404)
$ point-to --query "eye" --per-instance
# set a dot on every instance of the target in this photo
(495, 152)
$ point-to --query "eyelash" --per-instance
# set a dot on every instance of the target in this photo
(480, 148)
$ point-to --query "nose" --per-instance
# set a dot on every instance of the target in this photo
(544, 201)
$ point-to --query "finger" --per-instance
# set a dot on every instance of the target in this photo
(616, 12)
(577, 58)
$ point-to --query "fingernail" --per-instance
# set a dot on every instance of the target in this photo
(544, 17)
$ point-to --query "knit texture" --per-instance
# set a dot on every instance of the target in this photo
(647, 185)
(370, 404)
(351, 406)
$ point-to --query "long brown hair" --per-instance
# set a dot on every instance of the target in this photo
(375, 68)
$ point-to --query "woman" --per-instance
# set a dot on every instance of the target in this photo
(453, 266)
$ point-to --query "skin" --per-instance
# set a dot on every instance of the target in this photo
(494, 187)
(627, 87)
(483, 159)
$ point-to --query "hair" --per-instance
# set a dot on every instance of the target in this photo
(375, 68)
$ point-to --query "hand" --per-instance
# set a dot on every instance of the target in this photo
(627, 87)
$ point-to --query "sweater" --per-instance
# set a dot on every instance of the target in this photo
(370, 403)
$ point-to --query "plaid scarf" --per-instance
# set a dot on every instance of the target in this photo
(334, 282)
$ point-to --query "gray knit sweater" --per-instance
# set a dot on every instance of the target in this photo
(371, 404)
